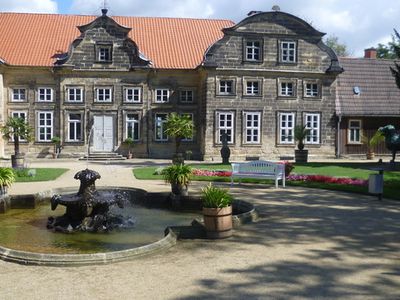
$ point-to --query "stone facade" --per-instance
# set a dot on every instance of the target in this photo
(104, 90)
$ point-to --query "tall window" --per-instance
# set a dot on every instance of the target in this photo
(253, 51)
(133, 95)
(160, 120)
(22, 115)
(252, 127)
(132, 126)
(74, 127)
(252, 88)
(225, 126)
(18, 95)
(286, 128)
(188, 138)
(313, 124)
(311, 90)
(286, 89)
(44, 126)
(354, 131)
(288, 51)
(45, 94)
(225, 87)
(186, 96)
(74, 94)
(162, 96)
(103, 94)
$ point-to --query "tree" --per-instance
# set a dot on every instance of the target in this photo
(396, 50)
(179, 127)
(391, 50)
(340, 49)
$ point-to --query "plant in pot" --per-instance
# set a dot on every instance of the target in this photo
(129, 143)
(371, 142)
(179, 176)
(18, 130)
(217, 212)
(56, 140)
(179, 127)
(300, 154)
(7, 178)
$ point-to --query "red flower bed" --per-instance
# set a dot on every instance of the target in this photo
(198, 172)
(328, 179)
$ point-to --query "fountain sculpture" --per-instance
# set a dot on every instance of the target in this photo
(89, 209)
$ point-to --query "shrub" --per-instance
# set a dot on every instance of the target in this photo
(7, 177)
(178, 174)
(214, 197)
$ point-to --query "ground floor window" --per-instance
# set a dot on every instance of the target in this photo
(354, 132)
(188, 138)
(44, 126)
(160, 120)
(252, 125)
(74, 127)
(286, 128)
(22, 115)
(225, 126)
(312, 123)
(132, 126)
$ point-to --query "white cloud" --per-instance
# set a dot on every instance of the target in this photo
(31, 6)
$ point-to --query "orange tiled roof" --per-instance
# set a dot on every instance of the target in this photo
(170, 43)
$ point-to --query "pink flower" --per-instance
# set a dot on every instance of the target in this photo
(198, 172)
(328, 179)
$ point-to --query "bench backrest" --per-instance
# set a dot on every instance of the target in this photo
(258, 166)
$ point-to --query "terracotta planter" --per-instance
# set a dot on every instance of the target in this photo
(218, 222)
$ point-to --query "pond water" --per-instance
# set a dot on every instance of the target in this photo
(25, 229)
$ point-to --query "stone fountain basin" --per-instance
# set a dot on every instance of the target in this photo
(244, 213)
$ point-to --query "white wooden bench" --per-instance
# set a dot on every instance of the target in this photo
(260, 169)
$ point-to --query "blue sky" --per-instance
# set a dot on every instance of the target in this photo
(358, 23)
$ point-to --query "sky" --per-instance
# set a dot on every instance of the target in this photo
(359, 24)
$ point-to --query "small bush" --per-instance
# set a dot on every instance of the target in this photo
(214, 197)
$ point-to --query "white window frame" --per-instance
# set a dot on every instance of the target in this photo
(161, 95)
(75, 123)
(352, 130)
(43, 93)
(19, 98)
(103, 94)
(72, 91)
(135, 125)
(104, 53)
(224, 88)
(45, 126)
(188, 139)
(285, 128)
(222, 124)
(310, 92)
(252, 91)
(252, 130)
(288, 54)
(184, 96)
(133, 94)
(18, 114)
(161, 124)
(284, 89)
(312, 122)
(252, 51)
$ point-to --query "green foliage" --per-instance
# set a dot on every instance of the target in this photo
(7, 177)
(300, 133)
(56, 140)
(179, 127)
(21, 172)
(391, 50)
(42, 174)
(214, 197)
(371, 142)
(177, 174)
(18, 129)
(340, 49)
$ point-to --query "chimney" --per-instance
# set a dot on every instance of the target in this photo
(370, 53)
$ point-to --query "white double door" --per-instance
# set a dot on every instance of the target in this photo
(103, 133)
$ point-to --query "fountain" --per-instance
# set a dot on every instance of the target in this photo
(89, 210)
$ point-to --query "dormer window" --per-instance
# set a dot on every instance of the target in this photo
(287, 52)
(252, 51)
(104, 53)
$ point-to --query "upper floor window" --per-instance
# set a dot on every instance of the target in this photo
(225, 127)
(311, 89)
(253, 51)
(286, 128)
(287, 51)
(104, 53)
(18, 94)
(162, 96)
(252, 125)
(354, 132)
(133, 95)
(286, 89)
(74, 94)
(186, 96)
(226, 87)
(45, 94)
(103, 95)
(252, 88)
(313, 125)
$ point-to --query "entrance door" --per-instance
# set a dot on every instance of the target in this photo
(103, 134)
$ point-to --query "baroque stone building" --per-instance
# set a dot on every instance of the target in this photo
(254, 81)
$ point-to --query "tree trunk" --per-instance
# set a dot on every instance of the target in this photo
(16, 145)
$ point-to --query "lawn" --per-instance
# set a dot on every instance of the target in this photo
(349, 170)
(42, 174)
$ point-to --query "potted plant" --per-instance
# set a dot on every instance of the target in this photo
(217, 212)
(300, 154)
(371, 142)
(56, 140)
(129, 145)
(17, 129)
(179, 177)
(7, 177)
(179, 127)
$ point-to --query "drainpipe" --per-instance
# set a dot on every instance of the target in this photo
(1, 111)
(338, 153)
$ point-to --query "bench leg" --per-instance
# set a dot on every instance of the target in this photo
(276, 183)
(283, 181)
(231, 181)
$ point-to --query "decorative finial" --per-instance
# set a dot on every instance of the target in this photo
(276, 8)
(104, 11)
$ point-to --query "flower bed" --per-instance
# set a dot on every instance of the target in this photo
(328, 179)
(198, 172)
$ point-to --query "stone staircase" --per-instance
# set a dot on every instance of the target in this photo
(103, 156)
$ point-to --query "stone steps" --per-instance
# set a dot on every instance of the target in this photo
(100, 156)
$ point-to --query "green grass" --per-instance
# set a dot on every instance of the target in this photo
(350, 170)
(42, 174)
